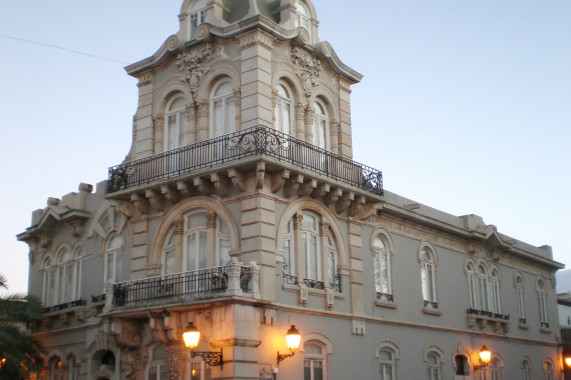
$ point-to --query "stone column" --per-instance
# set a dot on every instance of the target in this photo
(159, 134)
(334, 135)
(212, 260)
(191, 109)
(323, 234)
(299, 121)
(309, 124)
(203, 112)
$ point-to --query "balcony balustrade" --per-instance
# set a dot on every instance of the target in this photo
(232, 279)
(259, 141)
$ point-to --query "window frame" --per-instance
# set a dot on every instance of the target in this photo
(314, 358)
(428, 269)
(284, 107)
(47, 284)
(541, 288)
(392, 348)
(526, 368)
(378, 253)
(434, 369)
(78, 256)
(198, 13)
(320, 124)
(63, 276)
(113, 252)
(226, 98)
(520, 295)
(181, 125)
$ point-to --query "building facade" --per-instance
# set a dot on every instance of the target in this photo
(239, 210)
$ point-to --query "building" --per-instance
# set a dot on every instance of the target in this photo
(239, 210)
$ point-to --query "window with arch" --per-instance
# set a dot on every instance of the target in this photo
(72, 368)
(77, 273)
(495, 291)
(382, 264)
(387, 363)
(168, 259)
(433, 362)
(63, 276)
(157, 367)
(314, 361)
(483, 287)
(495, 369)
(223, 109)
(204, 232)
(427, 277)
(197, 16)
(470, 274)
(56, 370)
(548, 370)
(542, 300)
(302, 16)
(319, 125)
(526, 369)
(177, 126)
(519, 288)
(462, 367)
(112, 258)
(283, 109)
(310, 252)
(47, 291)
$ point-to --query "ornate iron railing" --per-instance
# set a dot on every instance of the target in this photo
(63, 306)
(98, 298)
(489, 314)
(545, 324)
(255, 141)
(431, 304)
(385, 297)
(312, 284)
(201, 282)
(523, 321)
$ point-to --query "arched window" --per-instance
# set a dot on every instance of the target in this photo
(382, 264)
(434, 366)
(177, 127)
(461, 365)
(157, 368)
(483, 287)
(427, 277)
(542, 299)
(470, 273)
(77, 273)
(47, 294)
(314, 361)
(112, 258)
(495, 370)
(526, 369)
(56, 369)
(197, 16)
(387, 366)
(72, 368)
(223, 109)
(205, 233)
(169, 254)
(519, 288)
(495, 285)
(310, 247)
(319, 125)
(302, 16)
(223, 242)
(548, 370)
(63, 277)
(283, 110)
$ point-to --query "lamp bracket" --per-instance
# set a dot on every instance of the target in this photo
(281, 358)
(211, 358)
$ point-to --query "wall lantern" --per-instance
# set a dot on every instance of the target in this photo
(485, 356)
(292, 339)
(567, 360)
(191, 336)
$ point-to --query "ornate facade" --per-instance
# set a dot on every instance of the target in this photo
(239, 209)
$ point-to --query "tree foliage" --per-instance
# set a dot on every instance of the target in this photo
(20, 353)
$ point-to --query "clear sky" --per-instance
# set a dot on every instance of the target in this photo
(465, 105)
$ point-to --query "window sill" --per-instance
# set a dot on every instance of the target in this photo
(523, 326)
(427, 310)
(387, 304)
(315, 292)
(545, 330)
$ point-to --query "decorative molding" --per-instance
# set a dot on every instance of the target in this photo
(169, 193)
(310, 69)
(145, 79)
(221, 184)
(195, 65)
(159, 122)
(256, 39)
(155, 199)
(279, 179)
(202, 186)
(141, 203)
(343, 203)
(260, 174)
(237, 178)
(333, 196)
(307, 187)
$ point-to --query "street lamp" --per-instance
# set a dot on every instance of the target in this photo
(485, 356)
(191, 336)
(292, 340)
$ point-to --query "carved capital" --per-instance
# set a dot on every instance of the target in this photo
(210, 220)
(178, 226)
(324, 228)
(297, 220)
(159, 122)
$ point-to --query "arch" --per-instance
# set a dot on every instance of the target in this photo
(434, 349)
(426, 244)
(495, 268)
(382, 230)
(311, 205)
(317, 337)
(467, 262)
(171, 88)
(521, 278)
(525, 358)
(183, 207)
(219, 71)
(287, 75)
(390, 345)
(60, 246)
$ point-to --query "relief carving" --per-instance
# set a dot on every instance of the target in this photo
(310, 69)
(194, 64)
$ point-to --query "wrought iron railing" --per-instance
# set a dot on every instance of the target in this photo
(385, 297)
(65, 305)
(254, 141)
(545, 324)
(523, 321)
(489, 314)
(98, 298)
(313, 284)
(201, 282)
(431, 304)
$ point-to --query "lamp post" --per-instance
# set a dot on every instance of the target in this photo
(292, 339)
(191, 337)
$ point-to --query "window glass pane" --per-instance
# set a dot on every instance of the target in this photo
(115, 242)
(197, 219)
(230, 123)
(202, 250)
(379, 243)
(313, 272)
(191, 252)
(317, 370)
(385, 355)
(224, 246)
(312, 349)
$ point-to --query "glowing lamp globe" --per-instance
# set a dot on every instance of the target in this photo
(292, 339)
(485, 355)
(191, 336)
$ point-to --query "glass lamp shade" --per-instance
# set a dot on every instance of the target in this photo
(191, 336)
(485, 355)
(292, 339)
(568, 361)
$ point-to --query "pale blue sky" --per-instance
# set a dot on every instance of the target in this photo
(465, 105)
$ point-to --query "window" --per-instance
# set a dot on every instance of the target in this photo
(199, 228)
(63, 277)
(542, 303)
(283, 110)
(47, 282)
(112, 258)
(382, 264)
(319, 125)
(77, 273)
(461, 365)
(197, 16)
(314, 362)
(177, 126)
(495, 370)
(470, 274)
(427, 278)
(483, 288)
(310, 247)
(198, 370)
(526, 369)
(302, 16)
(169, 254)
(223, 110)
(72, 368)
(495, 287)
(289, 256)
(56, 369)
(433, 363)
(158, 365)
(548, 370)
(519, 287)
(387, 367)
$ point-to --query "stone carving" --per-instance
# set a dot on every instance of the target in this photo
(131, 364)
(310, 69)
(260, 174)
(145, 80)
(126, 334)
(155, 199)
(194, 64)
(237, 178)
(279, 179)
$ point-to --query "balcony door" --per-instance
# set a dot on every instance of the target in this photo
(176, 132)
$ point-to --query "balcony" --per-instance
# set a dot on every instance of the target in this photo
(223, 281)
(484, 317)
(247, 145)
